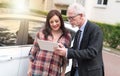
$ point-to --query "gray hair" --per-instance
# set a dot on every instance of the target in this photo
(77, 8)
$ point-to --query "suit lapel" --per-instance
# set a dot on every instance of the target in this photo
(85, 34)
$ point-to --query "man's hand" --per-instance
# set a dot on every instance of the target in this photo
(61, 50)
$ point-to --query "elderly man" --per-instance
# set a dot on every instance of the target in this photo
(86, 51)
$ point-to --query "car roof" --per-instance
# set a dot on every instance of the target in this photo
(32, 18)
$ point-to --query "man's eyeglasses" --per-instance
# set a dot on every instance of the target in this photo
(72, 17)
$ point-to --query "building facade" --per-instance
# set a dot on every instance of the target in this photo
(105, 11)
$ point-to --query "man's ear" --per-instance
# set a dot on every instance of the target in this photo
(81, 15)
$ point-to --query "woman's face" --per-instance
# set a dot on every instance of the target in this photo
(55, 23)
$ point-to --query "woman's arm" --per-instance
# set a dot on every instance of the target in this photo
(65, 62)
(29, 73)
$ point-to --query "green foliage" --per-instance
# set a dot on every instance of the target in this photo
(114, 40)
(111, 34)
(64, 17)
(5, 5)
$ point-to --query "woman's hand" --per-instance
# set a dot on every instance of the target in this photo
(29, 73)
(62, 74)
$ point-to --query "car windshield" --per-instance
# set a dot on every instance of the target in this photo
(14, 32)
(8, 30)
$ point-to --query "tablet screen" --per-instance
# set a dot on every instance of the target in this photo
(47, 45)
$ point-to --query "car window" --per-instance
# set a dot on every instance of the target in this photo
(33, 29)
(8, 30)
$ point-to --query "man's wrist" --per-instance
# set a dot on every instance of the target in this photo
(66, 52)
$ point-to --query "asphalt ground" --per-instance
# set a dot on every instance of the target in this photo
(111, 62)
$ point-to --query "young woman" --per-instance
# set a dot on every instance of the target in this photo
(43, 62)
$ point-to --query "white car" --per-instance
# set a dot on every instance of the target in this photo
(16, 36)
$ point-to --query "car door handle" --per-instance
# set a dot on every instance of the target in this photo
(5, 58)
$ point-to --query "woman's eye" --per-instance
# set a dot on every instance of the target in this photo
(56, 21)
(51, 21)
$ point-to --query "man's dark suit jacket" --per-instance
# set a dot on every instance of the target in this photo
(89, 56)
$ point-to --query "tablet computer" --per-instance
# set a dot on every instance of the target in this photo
(47, 45)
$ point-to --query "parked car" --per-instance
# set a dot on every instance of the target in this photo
(16, 38)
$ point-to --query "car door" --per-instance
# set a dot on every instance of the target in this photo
(9, 60)
(10, 49)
